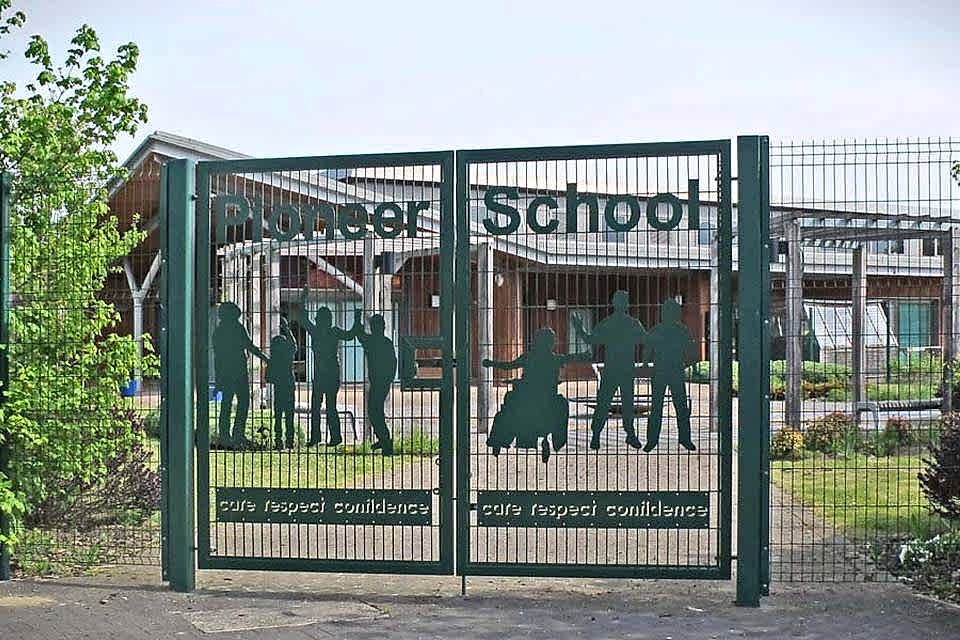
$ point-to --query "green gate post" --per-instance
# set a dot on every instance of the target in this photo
(753, 215)
(177, 180)
(4, 342)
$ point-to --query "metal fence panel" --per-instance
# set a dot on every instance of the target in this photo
(562, 255)
(326, 279)
(864, 308)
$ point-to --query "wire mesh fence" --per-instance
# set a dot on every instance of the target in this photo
(864, 330)
(82, 402)
(865, 324)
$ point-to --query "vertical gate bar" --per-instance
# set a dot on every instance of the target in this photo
(5, 181)
(724, 403)
(753, 368)
(448, 212)
(178, 243)
(462, 337)
(201, 325)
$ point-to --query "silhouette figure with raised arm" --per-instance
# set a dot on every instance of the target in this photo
(619, 334)
(381, 358)
(283, 351)
(669, 344)
(231, 342)
(325, 340)
(533, 410)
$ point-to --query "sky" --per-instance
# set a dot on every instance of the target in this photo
(286, 78)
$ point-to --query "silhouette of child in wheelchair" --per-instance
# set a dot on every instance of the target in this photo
(533, 413)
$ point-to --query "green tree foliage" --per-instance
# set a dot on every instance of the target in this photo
(61, 416)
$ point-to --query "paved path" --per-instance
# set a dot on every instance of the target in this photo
(130, 604)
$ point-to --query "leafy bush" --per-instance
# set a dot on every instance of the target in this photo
(903, 390)
(825, 372)
(827, 434)
(699, 373)
(880, 443)
(127, 491)
(60, 414)
(817, 380)
(899, 430)
(786, 444)
(151, 424)
(940, 479)
(923, 364)
(933, 565)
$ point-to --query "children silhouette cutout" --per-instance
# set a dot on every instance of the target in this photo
(381, 358)
(533, 410)
(325, 340)
(283, 350)
(619, 334)
(668, 345)
(231, 342)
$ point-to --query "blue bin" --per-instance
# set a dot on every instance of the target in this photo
(129, 391)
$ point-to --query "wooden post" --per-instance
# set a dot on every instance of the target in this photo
(950, 311)
(794, 327)
(484, 335)
(858, 321)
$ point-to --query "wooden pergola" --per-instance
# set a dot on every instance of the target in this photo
(855, 230)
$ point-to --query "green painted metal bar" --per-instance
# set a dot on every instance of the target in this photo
(725, 369)
(560, 570)
(765, 406)
(202, 338)
(463, 349)
(754, 369)
(447, 403)
(316, 565)
(312, 163)
(178, 256)
(5, 182)
(598, 151)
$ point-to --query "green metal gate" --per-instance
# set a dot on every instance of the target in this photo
(588, 291)
(304, 481)
(570, 462)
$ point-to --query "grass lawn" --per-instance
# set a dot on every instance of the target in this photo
(313, 468)
(860, 495)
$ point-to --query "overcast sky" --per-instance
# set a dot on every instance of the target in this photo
(310, 78)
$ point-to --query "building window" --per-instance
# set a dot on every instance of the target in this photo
(931, 247)
(886, 246)
(915, 324)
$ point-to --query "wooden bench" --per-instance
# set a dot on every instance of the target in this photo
(345, 415)
(642, 371)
